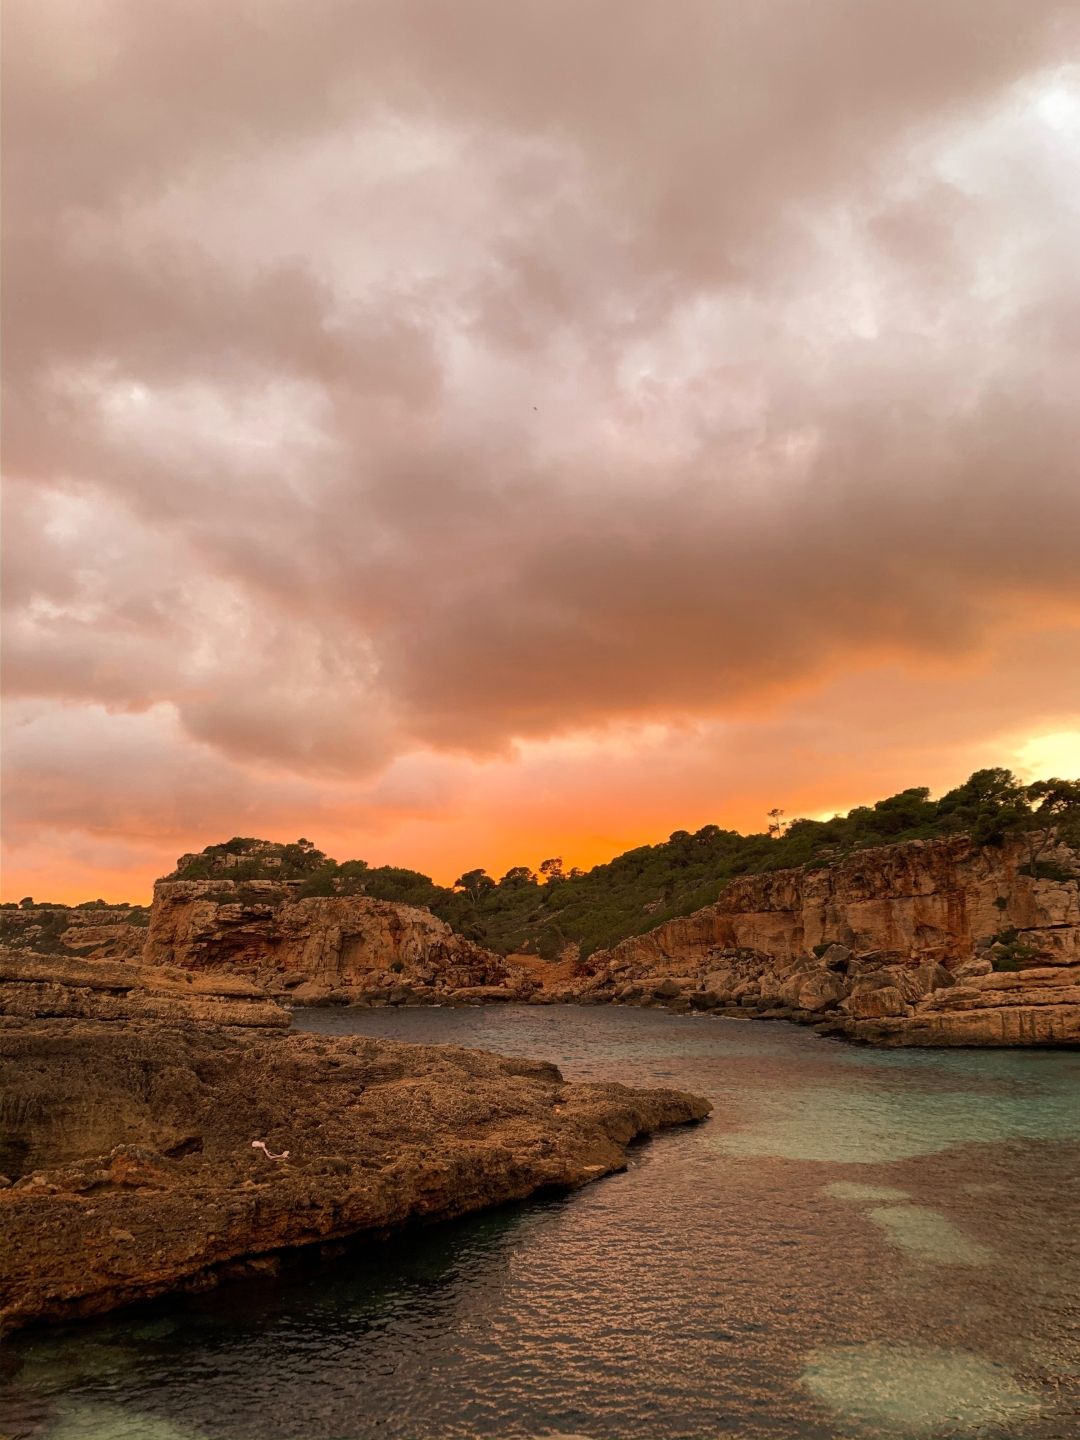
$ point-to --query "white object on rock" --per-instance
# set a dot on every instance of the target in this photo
(261, 1145)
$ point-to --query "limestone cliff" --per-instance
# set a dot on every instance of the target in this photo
(929, 942)
(344, 948)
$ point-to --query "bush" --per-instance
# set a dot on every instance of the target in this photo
(1047, 870)
(1009, 952)
(1013, 957)
(654, 883)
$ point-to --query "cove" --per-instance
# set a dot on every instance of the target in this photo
(857, 1243)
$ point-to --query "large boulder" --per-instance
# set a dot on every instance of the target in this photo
(872, 1004)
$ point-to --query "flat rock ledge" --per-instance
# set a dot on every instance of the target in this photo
(129, 1169)
(38, 988)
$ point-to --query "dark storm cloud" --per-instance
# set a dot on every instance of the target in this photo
(381, 376)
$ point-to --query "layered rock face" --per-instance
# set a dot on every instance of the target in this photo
(131, 1170)
(344, 949)
(41, 987)
(97, 934)
(936, 942)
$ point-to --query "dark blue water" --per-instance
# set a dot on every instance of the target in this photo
(858, 1243)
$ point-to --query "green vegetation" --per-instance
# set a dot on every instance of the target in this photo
(246, 858)
(653, 883)
(1046, 870)
(1009, 952)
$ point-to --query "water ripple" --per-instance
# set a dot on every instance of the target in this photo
(858, 1243)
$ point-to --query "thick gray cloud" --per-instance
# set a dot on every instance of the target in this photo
(391, 376)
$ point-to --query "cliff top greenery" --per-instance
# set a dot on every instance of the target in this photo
(545, 911)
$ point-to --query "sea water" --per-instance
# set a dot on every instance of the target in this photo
(857, 1243)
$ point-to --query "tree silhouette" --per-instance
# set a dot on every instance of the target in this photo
(475, 883)
(777, 824)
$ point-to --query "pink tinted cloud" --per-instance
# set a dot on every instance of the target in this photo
(389, 379)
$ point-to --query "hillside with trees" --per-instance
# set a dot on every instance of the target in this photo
(545, 910)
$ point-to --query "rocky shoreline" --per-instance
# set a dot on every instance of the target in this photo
(927, 943)
(141, 1060)
(939, 942)
(131, 1168)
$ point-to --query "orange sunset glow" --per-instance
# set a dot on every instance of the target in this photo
(464, 434)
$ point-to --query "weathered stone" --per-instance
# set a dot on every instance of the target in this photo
(1002, 1025)
(820, 992)
(262, 929)
(130, 1148)
(973, 965)
(836, 957)
(885, 934)
(927, 900)
(35, 987)
(870, 1004)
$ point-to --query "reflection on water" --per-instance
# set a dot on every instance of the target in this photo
(858, 1243)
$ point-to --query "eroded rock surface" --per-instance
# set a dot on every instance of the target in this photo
(129, 1146)
(44, 987)
(937, 942)
(319, 950)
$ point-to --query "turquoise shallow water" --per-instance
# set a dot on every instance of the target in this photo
(858, 1244)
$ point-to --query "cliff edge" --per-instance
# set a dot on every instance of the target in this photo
(930, 942)
(323, 949)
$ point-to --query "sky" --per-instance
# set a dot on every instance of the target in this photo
(463, 434)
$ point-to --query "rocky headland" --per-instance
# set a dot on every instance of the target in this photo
(323, 949)
(130, 1166)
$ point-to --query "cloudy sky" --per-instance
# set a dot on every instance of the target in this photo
(461, 433)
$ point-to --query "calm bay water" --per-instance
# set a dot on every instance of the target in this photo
(858, 1243)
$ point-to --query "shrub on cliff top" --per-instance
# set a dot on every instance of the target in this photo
(653, 883)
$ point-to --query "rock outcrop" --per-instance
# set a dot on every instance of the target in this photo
(97, 933)
(131, 1170)
(931, 942)
(937, 942)
(337, 949)
(44, 987)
